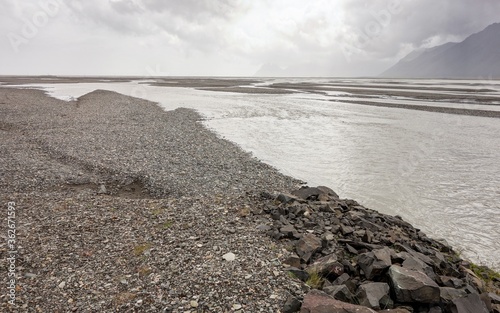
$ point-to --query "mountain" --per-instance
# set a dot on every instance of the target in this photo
(478, 56)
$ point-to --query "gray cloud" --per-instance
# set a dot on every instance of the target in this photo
(224, 37)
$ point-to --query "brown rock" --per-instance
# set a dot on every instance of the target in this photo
(318, 302)
(375, 263)
(307, 246)
(328, 266)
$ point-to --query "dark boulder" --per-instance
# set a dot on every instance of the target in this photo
(292, 305)
(340, 292)
(327, 266)
(307, 246)
(319, 302)
(300, 274)
(448, 294)
(412, 286)
(374, 263)
(375, 296)
(307, 193)
(470, 304)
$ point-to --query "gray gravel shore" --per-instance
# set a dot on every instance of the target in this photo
(121, 206)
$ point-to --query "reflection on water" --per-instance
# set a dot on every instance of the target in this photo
(441, 172)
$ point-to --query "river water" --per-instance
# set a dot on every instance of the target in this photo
(440, 172)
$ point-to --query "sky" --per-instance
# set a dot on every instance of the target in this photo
(227, 37)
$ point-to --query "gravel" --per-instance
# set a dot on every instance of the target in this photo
(121, 206)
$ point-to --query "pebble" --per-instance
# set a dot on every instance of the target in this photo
(229, 256)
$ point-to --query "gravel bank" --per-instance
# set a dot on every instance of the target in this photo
(121, 206)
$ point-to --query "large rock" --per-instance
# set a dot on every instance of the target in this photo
(328, 191)
(291, 305)
(340, 292)
(300, 274)
(451, 281)
(470, 304)
(495, 299)
(286, 198)
(374, 263)
(318, 302)
(307, 246)
(418, 265)
(327, 266)
(375, 296)
(288, 231)
(449, 294)
(412, 286)
(307, 193)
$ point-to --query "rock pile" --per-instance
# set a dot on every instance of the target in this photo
(353, 259)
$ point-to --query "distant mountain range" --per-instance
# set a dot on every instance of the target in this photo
(478, 56)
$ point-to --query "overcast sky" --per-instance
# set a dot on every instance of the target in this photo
(227, 37)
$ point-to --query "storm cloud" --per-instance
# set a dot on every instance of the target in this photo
(227, 38)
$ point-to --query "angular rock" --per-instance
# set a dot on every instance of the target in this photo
(375, 263)
(289, 231)
(293, 261)
(495, 299)
(346, 230)
(318, 302)
(375, 296)
(451, 281)
(341, 279)
(339, 292)
(470, 304)
(307, 246)
(307, 193)
(300, 274)
(291, 305)
(448, 294)
(418, 265)
(229, 257)
(102, 190)
(412, 286)
(328, 191)
(286, 198)
(328, 266)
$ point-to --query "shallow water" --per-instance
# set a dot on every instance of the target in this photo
(441, 172)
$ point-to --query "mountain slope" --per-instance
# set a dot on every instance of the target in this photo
(478, 56)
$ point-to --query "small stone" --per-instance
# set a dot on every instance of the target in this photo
(102, 190)
(229, 256)
(62, 285)
(263, 227)
(194, 304)
(237, 306)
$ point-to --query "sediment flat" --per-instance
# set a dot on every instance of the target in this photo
(122, 206)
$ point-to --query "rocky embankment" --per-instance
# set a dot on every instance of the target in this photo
(352, 259)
